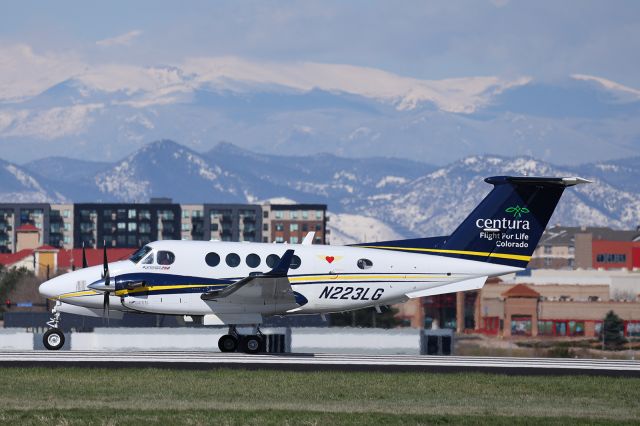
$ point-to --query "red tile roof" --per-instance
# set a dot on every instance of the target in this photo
(521, 290)
(11, 258)
(27, 227)
(94, 256)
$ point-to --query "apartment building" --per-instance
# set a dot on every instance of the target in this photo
(291, 222)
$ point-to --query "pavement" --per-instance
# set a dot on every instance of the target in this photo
(319, 362)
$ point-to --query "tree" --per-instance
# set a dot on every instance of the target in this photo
(366, 318)
(613, 329)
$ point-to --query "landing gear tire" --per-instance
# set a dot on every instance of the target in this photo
(53, 339)
(228, 343)
(251, 344)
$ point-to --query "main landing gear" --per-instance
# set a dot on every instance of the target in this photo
(53, 338)
(233, 341)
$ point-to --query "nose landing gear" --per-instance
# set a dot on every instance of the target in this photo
(233, 341)
(53, 338)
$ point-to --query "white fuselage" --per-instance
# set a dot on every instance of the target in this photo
(328, 279)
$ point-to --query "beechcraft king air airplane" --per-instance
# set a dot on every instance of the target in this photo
(241, 283)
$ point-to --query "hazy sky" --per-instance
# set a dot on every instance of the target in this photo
(424, 39)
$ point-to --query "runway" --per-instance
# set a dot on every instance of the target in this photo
(319, 362)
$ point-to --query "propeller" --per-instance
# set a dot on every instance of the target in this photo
(84, 257)
(107, 282)
(104, 285)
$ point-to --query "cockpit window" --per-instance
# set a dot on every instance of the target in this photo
(148, 260)
(135, 257)
(165, 257)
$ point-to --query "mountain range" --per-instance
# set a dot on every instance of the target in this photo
(106, 112)
(410, 198)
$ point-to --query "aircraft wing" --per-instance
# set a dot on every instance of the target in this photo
(270, 288)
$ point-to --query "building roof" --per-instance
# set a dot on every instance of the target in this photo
(67, 258)
(564, 235)
(27, 227)
(521, 290)
(11, 258)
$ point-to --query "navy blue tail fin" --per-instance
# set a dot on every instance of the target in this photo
(504, 228)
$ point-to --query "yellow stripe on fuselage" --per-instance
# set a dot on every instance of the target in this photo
(465, 252)
(361, 277)
(77, 293)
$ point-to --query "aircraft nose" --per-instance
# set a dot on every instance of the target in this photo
(48, 289)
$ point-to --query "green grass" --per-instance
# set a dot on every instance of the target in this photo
(139, 396)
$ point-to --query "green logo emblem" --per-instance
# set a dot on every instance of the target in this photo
(517, 211)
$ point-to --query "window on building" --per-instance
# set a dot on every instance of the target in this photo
(305, 227)
(186, 226)
(611, 258)
(66, 226)
(197, 213)
(66, 213)
(293, 227)
(305, 214)
(212, 259)
(273, 260)
(547, 249)
(132, 213)
(214, 227)
(122, 225)
(633, 329)
(144, 228)
(318, 240)
(265, 239)
(132, 226)
(576, 328)
(67, 239)
(279, 227)
(293, 214)
(521, 325)
(364, 263)
(253, 260)
(318, 227)
(319, 214)
(131, 241)
(265, 226)
(293, 240)
(279, 214)
(232, 259)
(279, 239)
(265, 214)
(547, 262)
(165, 257)
(144, 214)
(545, 328)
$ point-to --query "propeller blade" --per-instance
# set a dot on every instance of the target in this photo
(105, 307)
(84, 257)
(105, 266)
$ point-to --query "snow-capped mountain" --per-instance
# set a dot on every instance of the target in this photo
(411, 198)
(311, 108)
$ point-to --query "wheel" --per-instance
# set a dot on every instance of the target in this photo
(251, 344)
(53, 339)
(228, 343)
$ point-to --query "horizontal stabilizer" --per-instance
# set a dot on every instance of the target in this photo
(466, 285)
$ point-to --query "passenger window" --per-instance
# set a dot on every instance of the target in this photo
(212, 259)
(364, 263)
(273, 260)
(148, 260)
(253, 260)
(165, 258)
(295, 262)
(232, 260)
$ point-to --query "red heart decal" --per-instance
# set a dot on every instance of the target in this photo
(329, 258)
